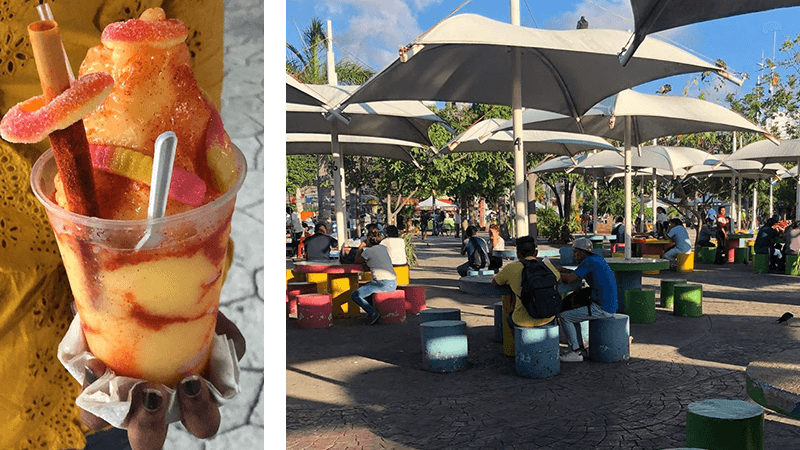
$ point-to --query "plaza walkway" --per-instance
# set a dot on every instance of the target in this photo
(359, 386)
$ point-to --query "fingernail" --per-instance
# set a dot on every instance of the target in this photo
(191, 386)
(90, 376)
(152, 399)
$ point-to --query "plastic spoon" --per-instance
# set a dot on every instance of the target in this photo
(163, 160)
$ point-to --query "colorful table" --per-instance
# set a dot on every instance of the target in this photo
(628, 274)
(339, 280)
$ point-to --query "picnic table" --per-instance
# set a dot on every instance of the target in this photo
(628, 273)
(653, 246)
(337, 279)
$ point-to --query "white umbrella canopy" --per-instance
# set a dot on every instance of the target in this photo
(320, 143)
(743, 168)
(552, 142)
(651, 16)
(667, 160)
(466, 58)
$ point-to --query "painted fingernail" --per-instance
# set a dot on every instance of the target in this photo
(152, 399)
(191, 386)
(90, 376)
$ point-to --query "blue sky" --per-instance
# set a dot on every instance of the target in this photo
(370, 31)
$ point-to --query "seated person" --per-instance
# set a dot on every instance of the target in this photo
(496, 242)
(511, 275)
(318, 245)
(618, 230)
(376, 257)
(766, 243)
(395, 245)
(476, 250)
(677, 232)
(791, 239)
(706, 233)
(597, 301)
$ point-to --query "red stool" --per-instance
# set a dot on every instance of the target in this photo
(415, 298)
(617, 247)
(391, 305)
(294, 289)
(314, 311)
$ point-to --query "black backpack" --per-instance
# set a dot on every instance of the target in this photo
(540, 295)
(478, 258)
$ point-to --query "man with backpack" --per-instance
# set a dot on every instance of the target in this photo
(535, 286)
(476, 249)
(597, 301)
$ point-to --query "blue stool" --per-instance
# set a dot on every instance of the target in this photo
(609, 338)
(444, 345)
(430, 314)
(536, 351)
(498, 322)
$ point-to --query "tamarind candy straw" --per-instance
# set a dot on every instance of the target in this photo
(70, 147)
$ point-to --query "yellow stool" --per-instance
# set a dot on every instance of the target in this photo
(341, 288)
(322, 281)
(365, 276)
(685, 262)
(293, 277)
(651, 272)
(403, 274)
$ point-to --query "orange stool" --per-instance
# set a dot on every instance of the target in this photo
(415, 298)
(391, 305)
(314, 311)
(293, 290)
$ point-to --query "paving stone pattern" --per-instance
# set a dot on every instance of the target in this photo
(360, 386)
(242, 298)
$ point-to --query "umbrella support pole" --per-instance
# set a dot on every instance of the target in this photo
(627, 155)
(594, 207)
(754, 221)
(797, 194)
(655, 193)
(520, 190)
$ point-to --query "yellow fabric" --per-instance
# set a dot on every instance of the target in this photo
(511, 274)
(37, 407)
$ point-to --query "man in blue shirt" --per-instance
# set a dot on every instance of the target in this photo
(677, 232)
(597, 301)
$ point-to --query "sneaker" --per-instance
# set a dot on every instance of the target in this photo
(571, 356)
(374, 318)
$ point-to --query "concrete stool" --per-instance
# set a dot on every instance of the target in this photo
(444, 345)
(403, 274)
(740, 255)
(415, 297)
(761, 262)
(314, 311)
(565, 253)
(321, 279)
(708, 254)
(432, 314)
(609, 338)
(685, 263)
(391, 305)
(725, 424)
(688, 300)
(498, 322)
(536, 351)
(790, 262)
(341, 288)
(640, 305)
(293, 290)
(667, 296)
(651, 272)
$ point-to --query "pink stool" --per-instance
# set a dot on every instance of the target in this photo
(391, 305)
(415, 298)
(294, 289)
(314, 311)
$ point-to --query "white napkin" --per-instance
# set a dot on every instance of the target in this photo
(109, 397)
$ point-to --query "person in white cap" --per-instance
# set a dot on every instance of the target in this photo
(597, 301)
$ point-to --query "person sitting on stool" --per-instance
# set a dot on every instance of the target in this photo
(677, 232)
(376, 257)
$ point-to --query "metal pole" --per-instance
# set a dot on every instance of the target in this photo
(770, 197)
(627, 155)
(338, 158)
(754, 222)
(642, 226)
(594, 207)
(520, 194)
(655, 193)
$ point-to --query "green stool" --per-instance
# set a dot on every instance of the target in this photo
(668, 292)
(688, 300)
(740, 255)
(761, 263)
(725, 424)
(707, 254)
(640, 305)
(791, 260)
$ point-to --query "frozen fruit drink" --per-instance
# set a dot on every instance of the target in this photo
(147, 313)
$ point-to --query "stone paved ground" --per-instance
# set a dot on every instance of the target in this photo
(356, 386)
(242, 298)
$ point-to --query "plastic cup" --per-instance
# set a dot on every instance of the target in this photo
(147, 313)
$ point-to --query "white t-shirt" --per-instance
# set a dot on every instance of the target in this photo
(501, 244)
(379, 262)
(396, 247)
